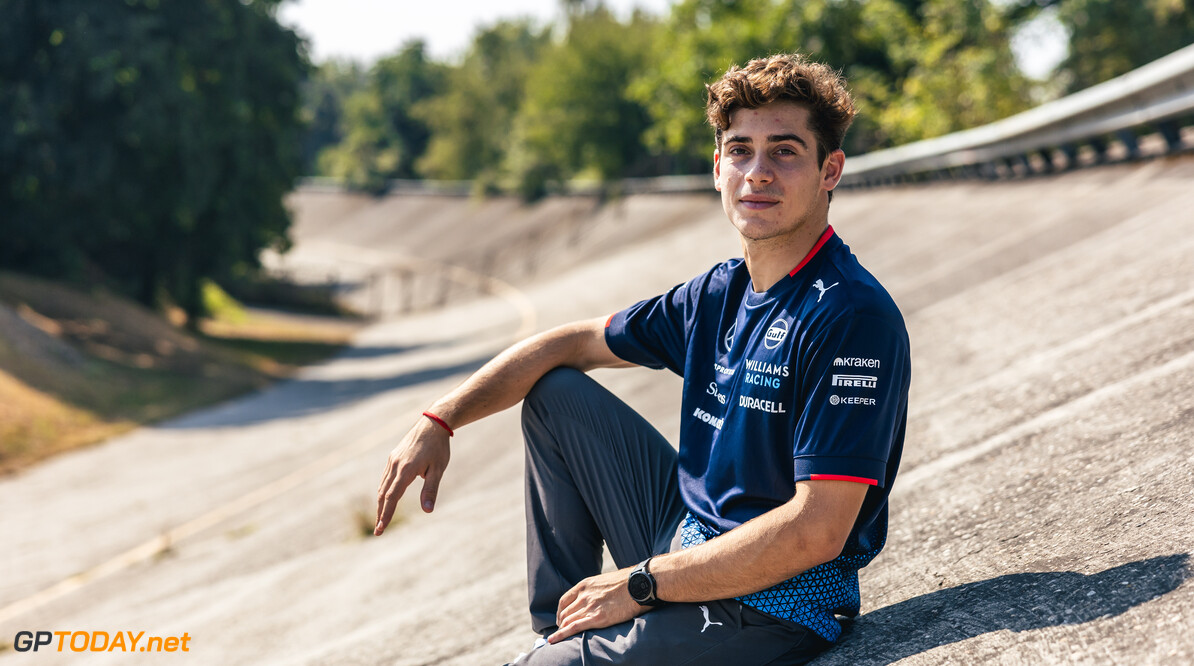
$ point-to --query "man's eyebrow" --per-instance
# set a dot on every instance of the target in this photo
(780, 138)
(774, 138)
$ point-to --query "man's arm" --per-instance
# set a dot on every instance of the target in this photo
(808, 530)
(499, 384)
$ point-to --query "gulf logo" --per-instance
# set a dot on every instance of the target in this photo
(776, 334)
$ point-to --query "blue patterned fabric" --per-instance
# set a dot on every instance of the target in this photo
(812, 598)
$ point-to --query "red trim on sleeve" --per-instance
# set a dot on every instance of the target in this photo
(813, 252)
(842, 477)
(608, 321)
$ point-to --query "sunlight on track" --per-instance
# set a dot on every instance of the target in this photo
(161, 543)
(153, 547)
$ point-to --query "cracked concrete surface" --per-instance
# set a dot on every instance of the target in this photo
(1041, 515)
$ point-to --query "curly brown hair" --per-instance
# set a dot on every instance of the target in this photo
(790, 77)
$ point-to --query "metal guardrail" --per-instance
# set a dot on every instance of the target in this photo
(1157, 93)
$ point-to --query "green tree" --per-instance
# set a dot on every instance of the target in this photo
(324, 95)
(1110, 38)
(917, 68)
(472, 118)
(963, 74)
(578, 117)
(383, 136)
(147, 144)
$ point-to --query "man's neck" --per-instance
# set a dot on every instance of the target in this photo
(769, 261)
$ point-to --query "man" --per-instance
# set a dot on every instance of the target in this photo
(796, 372)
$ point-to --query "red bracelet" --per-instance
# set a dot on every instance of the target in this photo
(440, 421)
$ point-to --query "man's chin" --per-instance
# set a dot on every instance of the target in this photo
(757, 230)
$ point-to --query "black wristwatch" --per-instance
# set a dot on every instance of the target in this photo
(642, 585)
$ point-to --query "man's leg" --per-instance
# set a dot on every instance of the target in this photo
(713, 633)
(595, 471)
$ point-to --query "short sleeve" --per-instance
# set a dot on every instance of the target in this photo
(654, 332)
(855, 393)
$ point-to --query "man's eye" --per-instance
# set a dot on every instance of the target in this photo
(737, 150)
(785, 151)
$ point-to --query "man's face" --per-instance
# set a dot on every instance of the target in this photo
(766, 170)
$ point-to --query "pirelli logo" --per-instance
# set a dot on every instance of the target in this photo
(855, 381)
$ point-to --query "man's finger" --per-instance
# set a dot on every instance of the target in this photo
(431, 487)
(386, 478)
(566, 601)
(570, 629)
(390, 499)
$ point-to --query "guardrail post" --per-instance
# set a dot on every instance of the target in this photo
(1128, 138)
(1046, 156)
(1022, 160)
(376, 284)
(1100, 149)
(406, 288)
(1071, 155)
(1172, 133)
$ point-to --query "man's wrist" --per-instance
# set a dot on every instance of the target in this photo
(439, 422)
(642, 586)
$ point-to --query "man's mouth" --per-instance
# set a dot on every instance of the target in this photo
(757, 202)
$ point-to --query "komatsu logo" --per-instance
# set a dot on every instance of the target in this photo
(856, 362)
(706, 417)
(776, 334)
(855, 381)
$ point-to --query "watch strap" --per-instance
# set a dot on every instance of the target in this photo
(642, 576)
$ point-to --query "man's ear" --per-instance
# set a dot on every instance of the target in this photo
(831, 171)
(717, 170)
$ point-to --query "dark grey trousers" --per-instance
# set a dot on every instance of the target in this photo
(597, 472)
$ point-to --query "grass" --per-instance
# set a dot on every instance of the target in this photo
(78, 367)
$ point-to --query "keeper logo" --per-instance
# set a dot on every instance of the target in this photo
(839, 400)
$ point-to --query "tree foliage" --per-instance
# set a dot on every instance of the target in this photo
(471, 121)
(144, 143)
(324, 95)
(1109, 38)
(605, 98)
(383, 137)
(916, 68)
(578, 116)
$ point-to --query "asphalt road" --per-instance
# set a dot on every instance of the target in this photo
(1042, 513)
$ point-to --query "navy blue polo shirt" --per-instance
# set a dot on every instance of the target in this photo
(806, 381)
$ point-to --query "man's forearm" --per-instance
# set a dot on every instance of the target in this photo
(505, 380)
(773, 547)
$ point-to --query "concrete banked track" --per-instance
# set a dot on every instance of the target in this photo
(1042, 513)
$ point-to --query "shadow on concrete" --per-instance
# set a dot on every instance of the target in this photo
(379, 351)
(1016, 602)
(303, 397)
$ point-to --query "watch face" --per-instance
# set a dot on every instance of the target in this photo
(639, 586)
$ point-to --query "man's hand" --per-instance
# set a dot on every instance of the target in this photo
(424, 451)
(594, 603)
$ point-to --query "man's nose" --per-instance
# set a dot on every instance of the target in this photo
(759, 170)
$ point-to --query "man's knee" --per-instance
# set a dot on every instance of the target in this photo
(554, 386)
